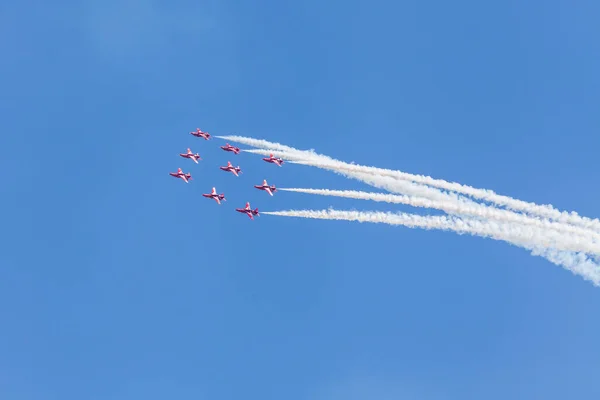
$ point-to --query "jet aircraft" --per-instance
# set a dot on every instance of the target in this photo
(216, 197)
(199, 133)
(232, 169)
(180, 174)
(265, 186)
(273, 160)
(191, 156)
(248, 211)
(229, 147)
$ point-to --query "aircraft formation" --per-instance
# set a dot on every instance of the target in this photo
(186, 176)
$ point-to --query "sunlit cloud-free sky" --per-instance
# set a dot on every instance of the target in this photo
(118, 281)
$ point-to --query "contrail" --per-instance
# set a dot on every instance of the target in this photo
(545, 211)
(576, 262)
(384, 182)
(461, 204)
(553, 249)
(311, 158)
(325, 162)
(261, 144)
(454, 204)
(475, 210)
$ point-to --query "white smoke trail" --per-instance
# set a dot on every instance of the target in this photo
(475, 210)
(448, 202)
(587, 242)
(311, 158)
(576, 262)
(545, 211)
(261, 144)
(387, 183)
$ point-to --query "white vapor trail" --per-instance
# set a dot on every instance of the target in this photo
(545, 211)
(576, 262)
(309, 157)
(476, 210)
(382, 182)
(565, 239)
(448, 202)
(261, 144)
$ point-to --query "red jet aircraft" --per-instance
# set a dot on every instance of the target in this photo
(273, 160)
(265, 186)
(199, 133)
(180, 174)
(229, 147)
(232, 169)
(248, 211)
(216, 197)
(191, 156)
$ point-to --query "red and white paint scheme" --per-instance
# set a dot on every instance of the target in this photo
(180, 174)
(199, 133)
(265, 186)
(273, 160)
(216, 197)
(229, 147)
(248, 211)
(230, 168)
(191, 155)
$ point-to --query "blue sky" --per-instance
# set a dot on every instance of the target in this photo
(119, 282)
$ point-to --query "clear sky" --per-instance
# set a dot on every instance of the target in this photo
(120, 282)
